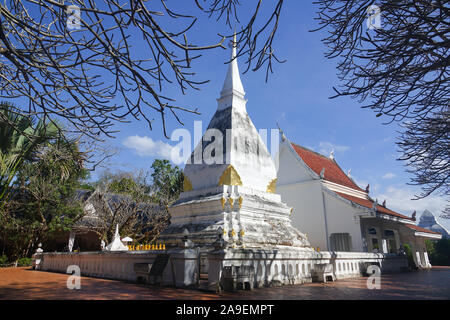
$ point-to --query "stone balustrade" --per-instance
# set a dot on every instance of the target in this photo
(270, 267)
(284, 267)
(109, 265)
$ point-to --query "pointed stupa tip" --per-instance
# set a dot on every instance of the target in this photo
(116, 244)
(233, 84)
(280, 131)
(233, 45)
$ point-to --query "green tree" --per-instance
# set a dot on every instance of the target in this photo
(139, 208)
(42, 202)
(124, 199)
(409, 256)
(20, 137)
(134, 184)
(167, 182)
(430, 245)
(439, 252)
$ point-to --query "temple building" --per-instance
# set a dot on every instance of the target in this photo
(336, 214)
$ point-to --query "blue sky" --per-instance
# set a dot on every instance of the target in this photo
(297, 97)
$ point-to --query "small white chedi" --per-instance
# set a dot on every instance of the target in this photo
(116, 244)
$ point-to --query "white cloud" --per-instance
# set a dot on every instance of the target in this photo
(147, 147)
(326, 147)
(389, 175)
(399, 199)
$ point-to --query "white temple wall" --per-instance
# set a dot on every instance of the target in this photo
(307, 214)
(289, 170)
(342, 218)
(299, 190)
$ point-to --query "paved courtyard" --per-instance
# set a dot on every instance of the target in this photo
(23, 283)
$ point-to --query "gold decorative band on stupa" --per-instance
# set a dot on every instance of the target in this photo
(187, 185)
(223, 201)
(230, 177)
(271, 187)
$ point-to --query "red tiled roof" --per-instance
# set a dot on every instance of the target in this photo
(317, 162)
(369, 204)
(335, 174)
(420, 229)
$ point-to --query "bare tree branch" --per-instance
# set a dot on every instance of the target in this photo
(93, 76)
(400, 69)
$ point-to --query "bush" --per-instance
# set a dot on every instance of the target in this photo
(3, 260)
(440, 253)
(409, 256)
(24, 262)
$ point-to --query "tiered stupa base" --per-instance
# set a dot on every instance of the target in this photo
(234, 226)
(233, 217)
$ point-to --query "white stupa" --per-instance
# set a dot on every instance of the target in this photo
(231, 191)
(428, 221)
(116, 244)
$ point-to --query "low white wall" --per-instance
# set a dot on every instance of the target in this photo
(120, 265)
(271, 267)
(293, 267)
(353, 264)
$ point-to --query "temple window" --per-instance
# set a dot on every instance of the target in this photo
(341, 242)
(388, 233)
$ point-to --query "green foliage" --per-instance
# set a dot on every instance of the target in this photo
(24, 262)
(42, 204)
(3, 260)
(125, 185)
(86, 186)
(409, 256)
(139, 208)
(439, 252)
(167, 181)
(430, 245)
(20, 137)
(125, 199)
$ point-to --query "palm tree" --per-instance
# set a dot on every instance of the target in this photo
(19, 139)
